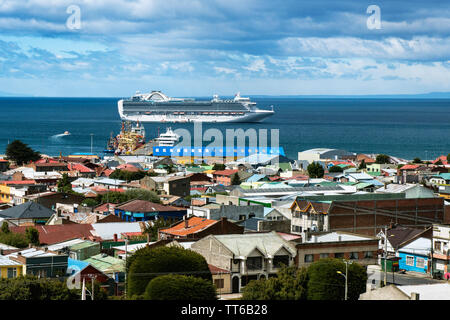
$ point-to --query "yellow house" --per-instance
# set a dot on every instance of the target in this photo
(10, 268)
(5, 194)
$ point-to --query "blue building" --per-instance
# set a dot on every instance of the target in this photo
(141, 210)
(415, 255)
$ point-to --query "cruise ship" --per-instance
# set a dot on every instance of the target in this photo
(157, 107)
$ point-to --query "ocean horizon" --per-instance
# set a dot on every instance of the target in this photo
(401, 127)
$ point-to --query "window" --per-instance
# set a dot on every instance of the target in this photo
(324, 255)
(309, 258)
(437, 246)
(368, 255)
(279, 260)
(410, 261)
(12, 272)
(339, 255)
(353, 255)
(219, 283)
(254, 263)
(420, 263)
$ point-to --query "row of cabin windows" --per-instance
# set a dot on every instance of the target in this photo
(339, 255)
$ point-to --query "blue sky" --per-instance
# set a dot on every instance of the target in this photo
(202, 47)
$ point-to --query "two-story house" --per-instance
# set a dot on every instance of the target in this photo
(249, 256)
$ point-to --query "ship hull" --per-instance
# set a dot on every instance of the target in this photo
(252, 116)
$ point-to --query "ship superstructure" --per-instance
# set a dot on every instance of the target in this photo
(157, 107)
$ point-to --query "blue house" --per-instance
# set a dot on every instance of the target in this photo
(141, 210)
(415, 255)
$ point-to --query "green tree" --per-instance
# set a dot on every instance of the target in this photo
(362, 165)
(147, 263)
(131, 194)
(326, 284)
(127, 175)
(289, 284)
(417, 160)
(14, 239)
(32, 235)
(336, 169)
(315, 170)
(5, 227)
(235, 180)
(382, 159)
(157, 224)
(90, 202)
(21, 153)
(218, 166)
(32, 288)
(64, 184)
(180, 287)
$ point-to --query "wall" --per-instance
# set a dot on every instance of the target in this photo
(214, 252)
(276, 225)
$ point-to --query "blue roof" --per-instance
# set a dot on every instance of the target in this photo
(256, 177)
(372, 181)
(74, 266)
(181, 151)
(445, 176)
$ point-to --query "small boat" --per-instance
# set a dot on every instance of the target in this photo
(66, 133)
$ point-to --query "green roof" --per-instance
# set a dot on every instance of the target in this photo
(284, 166)
(106, 264)
(196, 169)
(363, 185)
(375, 174)
(84, 244)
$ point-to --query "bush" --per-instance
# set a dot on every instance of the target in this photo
(326, 284)
(148, 263)
(32, 288)
(180, 287)
(315, 170)
(17, 240)
(289, 284)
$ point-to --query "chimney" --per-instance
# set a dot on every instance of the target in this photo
(339, 238)
(115, 237)
(415, 296)
(186, 222)
(45, 249)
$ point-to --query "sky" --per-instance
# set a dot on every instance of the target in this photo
(112, 48)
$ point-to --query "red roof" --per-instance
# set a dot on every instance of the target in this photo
(410, 167)
(128, 167)
(217, 270)
(145, 206)
(47, 160)
(443, 160)
(105, 207)
(79, 167)
(58, 233)
(195, 224)
(224, 172)
(7, 182)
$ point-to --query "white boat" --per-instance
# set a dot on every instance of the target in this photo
(157, 107)
(168, 139)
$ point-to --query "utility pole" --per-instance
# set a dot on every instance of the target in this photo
(346, 277)
(92, 288)
(126, 256)
(385, 255)
(83, 289)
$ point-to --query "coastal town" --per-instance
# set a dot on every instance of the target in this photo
(102, 225)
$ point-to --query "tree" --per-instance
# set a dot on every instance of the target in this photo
(326, 284)
(289, 284)
(89, 202)
(438, 163)
(180, 287)
(14, 239)
(157, 224)
(315, 170)
(21, 153)
(32, 235)
(32, 288)
(218, 166)
(131, 194)
(417, 160)
(127, 175)
(382, 159)
(64, 184)
(5, 227)
(235, 180)
(336, 169)
(147, 263)
(362, 165)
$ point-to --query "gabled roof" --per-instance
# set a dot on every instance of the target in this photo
(225, 172)
(195, 224)
(28, 210)
(399, 236)
(145, 206)
(241, 245)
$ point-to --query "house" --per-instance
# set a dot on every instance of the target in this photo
(249, 256)
(174, 201)
(309, 216)
(321, 154)
(29, 213)
(339, 245)
(225, 177)
(77, 249)
(89, 272)
(51, 199)
(390, 292)
(216, 211)
(196, 228)
(411, 190)
(167, 185)
(441, 253)
(415, 255)
(112, 267)
(41, 262)
(221, 279)
(141, 210)
(10, 268)
(49, 235)
(442, 179)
